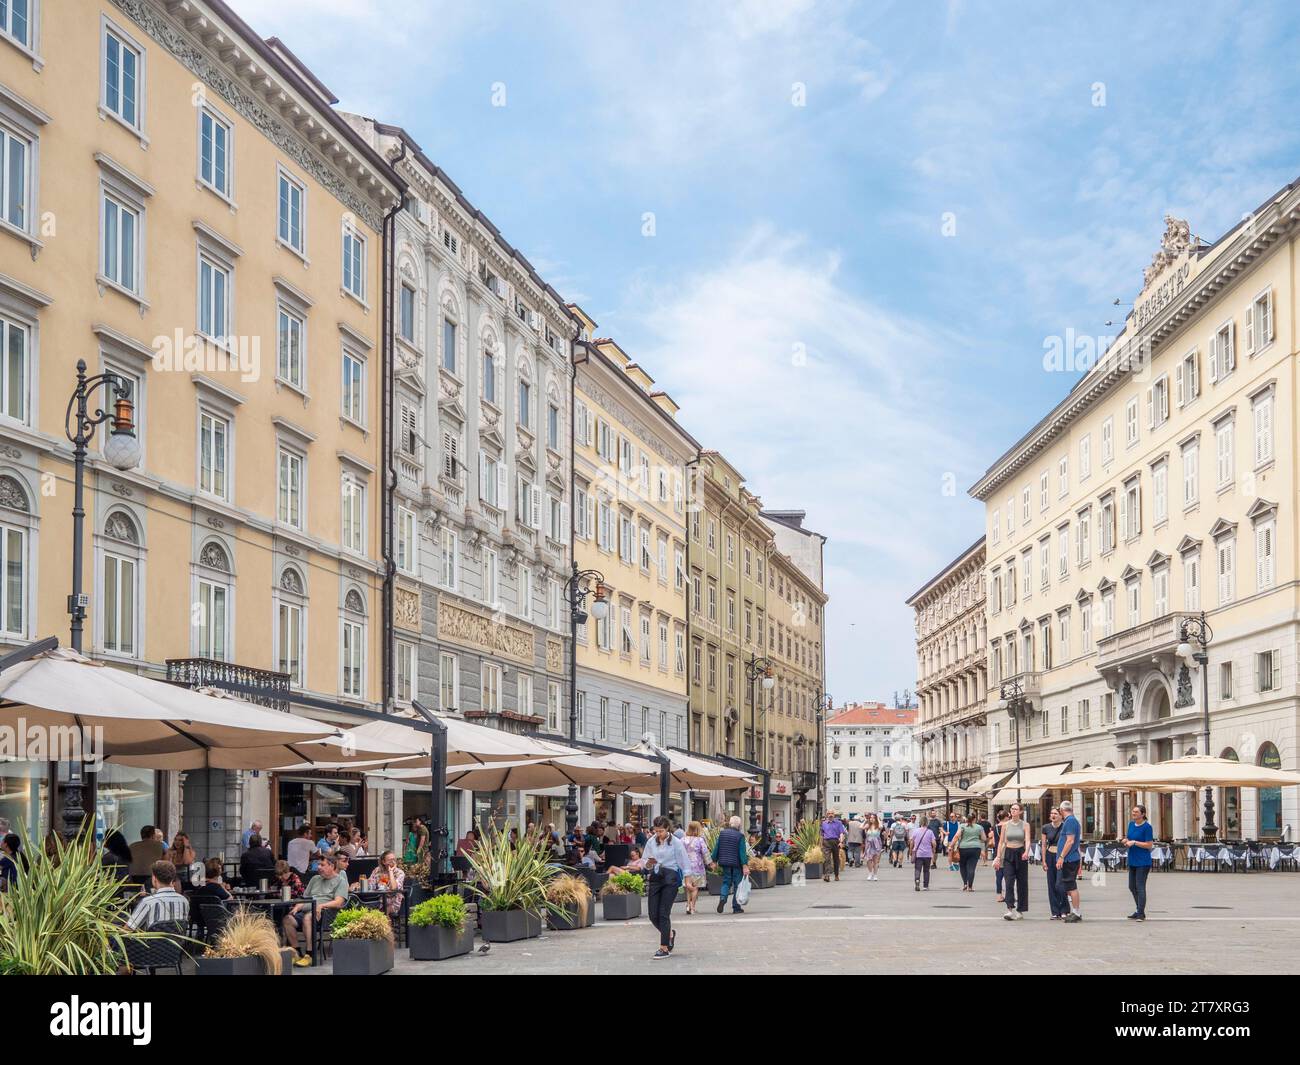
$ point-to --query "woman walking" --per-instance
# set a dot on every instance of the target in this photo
(1051, 832)
(969, 844)
(697, 871)
(873, 845)
(665, 864)
(1014, 846)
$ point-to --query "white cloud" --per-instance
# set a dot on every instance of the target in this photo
(850, 434)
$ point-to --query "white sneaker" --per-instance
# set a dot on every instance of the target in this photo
(1019, 916)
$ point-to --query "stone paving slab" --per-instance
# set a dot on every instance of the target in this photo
(1225, 923)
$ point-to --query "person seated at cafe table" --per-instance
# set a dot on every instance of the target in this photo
(341, 861)
(145, 851)
(388, 876)
(301, 850)
(583, 857)
(330, 890)
(634, 863)
(257, 863)
(164, 905)
(329, 842)
(466, 845)
(285, 876)
(212, 890)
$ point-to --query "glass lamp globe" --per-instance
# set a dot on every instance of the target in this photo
(769, 683)
(599, 609)
(122, 449)
(1184, 651)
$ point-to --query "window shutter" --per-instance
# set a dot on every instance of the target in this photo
(1266, 328)
(562, 533)
(591, 516)
(1250, 329)
(1230, 356)
(503, 485)
(1151, 407)
(1214, 358)
(1123, 514)
(1194, 374)
(1261, 556)
(1179, 398)
(482, 475)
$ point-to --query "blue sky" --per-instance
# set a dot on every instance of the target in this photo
(801, 297)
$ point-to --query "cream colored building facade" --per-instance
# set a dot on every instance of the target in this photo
(629, 524)
(174, 179)
(951, 664)
(1161, 487)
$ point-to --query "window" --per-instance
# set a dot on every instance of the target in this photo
(1160, 491)
(645, 639)
(1085, 457)
(1191, 474)
(525, 695)
(1065, 720)
(449, 345)
(1107, 441)
(1259, 323)
(289, 638)
(15, 21)
(1131, 422)
(289, 217)
(354, 263)
(1134, 590)
(491, 577)
(1268, 671)
(679, 649)
(1025, 504)
(450, 543)
(1160, 591)
(1084, 542)
(404, 690)
(15, 372)
(1224, 454)
(489, 378)
(1187, 378)
(602, 723)
(1063, 550)
(122, 78)
(1223, 354)
(289, 488)
(679, 569)
(626, 638)
(15, 175)
(212, 623)
(553, 706)
(120, 227)
(555, 605)
(354, 521)
(1262, 407)
(406, 540)
(1191, 582)
(1226, 562)
(553, 427)
(1044, 561)
(290, 332)
(525, 412)
(1225, 680)
(490, 688)
(354, 387)
(1265, 554)
(214, 433)
(1085, 625)
(1063, 477)
(406, 313)
(1107, 613)
(214, 299)
(1131, 508)
(1107, 530)
(1085, 714)
(1044, 481)
(120, 598)
(448, 682)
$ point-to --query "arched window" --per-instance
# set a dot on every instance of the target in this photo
(1229, 812)
(15, 532)
(352, 645)
(213, 603)
(121, 563)
(291, 625)
(1269, 799)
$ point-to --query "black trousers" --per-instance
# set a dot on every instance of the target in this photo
(1056, 900)
(970, 860)
(1015, 878)
(1137, 885)
(831, 858)
(659, 903)
(922, 866)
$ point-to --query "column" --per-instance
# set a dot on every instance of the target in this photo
(1181, 804)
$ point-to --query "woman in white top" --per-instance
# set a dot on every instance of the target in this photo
(666, 863)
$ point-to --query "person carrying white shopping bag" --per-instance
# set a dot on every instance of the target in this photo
(731, 854)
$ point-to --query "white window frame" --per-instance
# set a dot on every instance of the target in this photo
(354, 251)
(112, 108)
(223, 190)
(291, 232)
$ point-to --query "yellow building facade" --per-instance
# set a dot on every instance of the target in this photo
(187, 212)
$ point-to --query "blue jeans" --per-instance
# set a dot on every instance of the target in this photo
(731, 878)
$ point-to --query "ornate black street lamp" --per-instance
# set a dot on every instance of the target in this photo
(822, 707)
(1017, 705)
(754, 669)
(580, 584)
(1197, 631)
(122, 452)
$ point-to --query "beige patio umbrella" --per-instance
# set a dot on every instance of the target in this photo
(935, 791)
(1200, 771)
(581, 770)
(149, 721)
(690, 773)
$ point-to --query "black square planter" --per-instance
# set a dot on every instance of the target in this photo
(812, 870)
(621, 907)
(362, 957)
(434, 942)
(782, 875)
(760, 880)
(714, 886)
(230, 967)
(287, 954)
(567, 919)
(506, 926)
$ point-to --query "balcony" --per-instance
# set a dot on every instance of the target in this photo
(1031, 687)
(804, 781)
(1139, 646)
(230, 676)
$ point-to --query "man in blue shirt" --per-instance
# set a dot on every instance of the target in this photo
(1067, 861)
(1139, 839)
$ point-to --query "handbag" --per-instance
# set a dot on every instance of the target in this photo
(742, 891)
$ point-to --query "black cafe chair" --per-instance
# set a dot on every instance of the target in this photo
(166, 951)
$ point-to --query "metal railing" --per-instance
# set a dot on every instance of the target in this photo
(213, 673)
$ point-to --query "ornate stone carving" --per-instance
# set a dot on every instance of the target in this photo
(353, 602)
(289, 549)
(355, 573)
(122, 490)
(459, 625)
(214, 556)
(1177, 239)
(216, 523)
(1184, 697)
(554, 656)
(269, 124)
(10, 452)
(120, 527)
(1126, 702)
(406, 608)
(12, 495)
(290, 581)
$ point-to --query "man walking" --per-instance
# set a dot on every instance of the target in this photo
(1139, 840)
(898, 846)
(1067, 861)
(921, 845)
(855, 834)
(832, 831)
(731, 855)
(936, 827)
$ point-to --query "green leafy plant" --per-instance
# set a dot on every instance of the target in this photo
(624, 884)
(566, 891)
(807, 836)
(249, 935)
(780, 861)
(446, 910)
(512, 876)
(711, 835)
(417, 872)
(360, 923)
(64, 915)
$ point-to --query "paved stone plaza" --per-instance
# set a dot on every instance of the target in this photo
(1197, 923)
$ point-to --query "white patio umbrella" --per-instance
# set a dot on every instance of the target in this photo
(142, 720)
(581, 770)
(691, 773)
(1200, 771)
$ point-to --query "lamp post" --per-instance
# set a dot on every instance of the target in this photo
(580, 584)
(1197, 631)
(822, 706)
(754, 669)
(1014, 696)
(122, 452)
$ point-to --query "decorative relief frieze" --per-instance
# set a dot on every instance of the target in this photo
(554, 656)
(491, 635)
(406, 608)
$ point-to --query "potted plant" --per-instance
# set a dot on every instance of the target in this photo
(762, 872)
(438, 928)
(363, 942)
(620, 898)
(812, 863)
(417, 876)
(64, 916)
(782, 863)
(510, 882)
(576, 907)
(806, 847)
(714, 882)
(247, 946)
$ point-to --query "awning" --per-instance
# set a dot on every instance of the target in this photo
(1030, 785)
(988, 783)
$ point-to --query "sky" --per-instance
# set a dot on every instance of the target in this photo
(840, 235)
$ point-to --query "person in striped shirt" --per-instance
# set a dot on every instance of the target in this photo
(164, 904)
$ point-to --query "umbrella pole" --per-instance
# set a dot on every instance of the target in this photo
(438, 832)
(665, 778)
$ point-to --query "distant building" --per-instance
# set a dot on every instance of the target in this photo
(872, 756)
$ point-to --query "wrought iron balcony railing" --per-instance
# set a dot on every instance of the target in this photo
(213, 673)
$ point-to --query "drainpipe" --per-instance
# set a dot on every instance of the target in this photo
(693, 465)
(389, 474)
